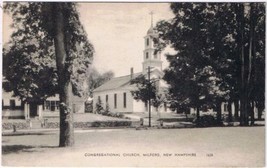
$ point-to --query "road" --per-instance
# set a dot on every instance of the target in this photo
(222, 146)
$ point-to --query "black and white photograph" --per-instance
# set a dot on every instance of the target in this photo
(133, 84)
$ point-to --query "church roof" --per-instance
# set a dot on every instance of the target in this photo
(150, 30)
(117, 82)
(122, 81)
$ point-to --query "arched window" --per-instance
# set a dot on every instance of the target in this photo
(147, 55)
(147, 41)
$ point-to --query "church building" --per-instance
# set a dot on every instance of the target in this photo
(116, 93)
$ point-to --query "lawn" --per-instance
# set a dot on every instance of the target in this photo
(222, 146)
(156, 115)
(78, 117)
(82, 121)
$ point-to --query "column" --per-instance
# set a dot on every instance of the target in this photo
(40, 111)
(25, 111)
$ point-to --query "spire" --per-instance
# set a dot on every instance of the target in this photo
(151, 13)
(150, 30)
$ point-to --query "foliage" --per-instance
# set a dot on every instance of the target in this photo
(32, 46)
(106, 110)
(88, 107)
(30, 75)
(206, 121)
(96, 79)
(147, 90)
(113, 114)
(99, 106)
(112, 124)
(212, 62)
(48, 27)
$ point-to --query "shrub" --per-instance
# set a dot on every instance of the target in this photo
(112, 124)
(18, 125)
(113, 114)
(99, 106)
(206, 121)
(88, 107)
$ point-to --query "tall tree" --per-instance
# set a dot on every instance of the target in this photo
(250, 39)
(190, 74)
(219, 37)
(59, 24)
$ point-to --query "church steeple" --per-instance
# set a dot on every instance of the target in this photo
(151, 58)
(151, 13)
(151, 29)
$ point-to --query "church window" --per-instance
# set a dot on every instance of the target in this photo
(115, 100)
(147, 41)
(124, 100)
(106, 98)
(146, 55)
(12, 104)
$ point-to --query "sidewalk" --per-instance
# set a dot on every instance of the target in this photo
(49, 131)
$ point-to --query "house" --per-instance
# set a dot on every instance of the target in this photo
(116, 93)
(13, 107)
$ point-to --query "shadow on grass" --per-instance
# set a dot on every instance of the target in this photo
(9, 149)
(24, 133)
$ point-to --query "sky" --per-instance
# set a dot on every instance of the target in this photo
(116, 31)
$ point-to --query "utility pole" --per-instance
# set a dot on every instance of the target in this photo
(149, 100)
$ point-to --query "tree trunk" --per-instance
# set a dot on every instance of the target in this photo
(249, 69)
(252, 122)
(186, 116)
(219, 113)
(230, 115)
(260, 109)
(66, 114)
(198, 114)
(236, 102)
(242, 83)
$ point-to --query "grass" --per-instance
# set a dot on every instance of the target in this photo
(90, 117)
(82, 120)
(78, 117)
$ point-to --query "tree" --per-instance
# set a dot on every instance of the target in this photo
(59, 25)
(190, 74)
(250, 38)
(31, 76)
(147, 90)
(96, 79)
(218, 37)
(99, 106)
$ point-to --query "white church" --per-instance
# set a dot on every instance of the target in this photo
(117, 91)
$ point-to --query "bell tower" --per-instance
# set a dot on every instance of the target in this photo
(150, 58)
